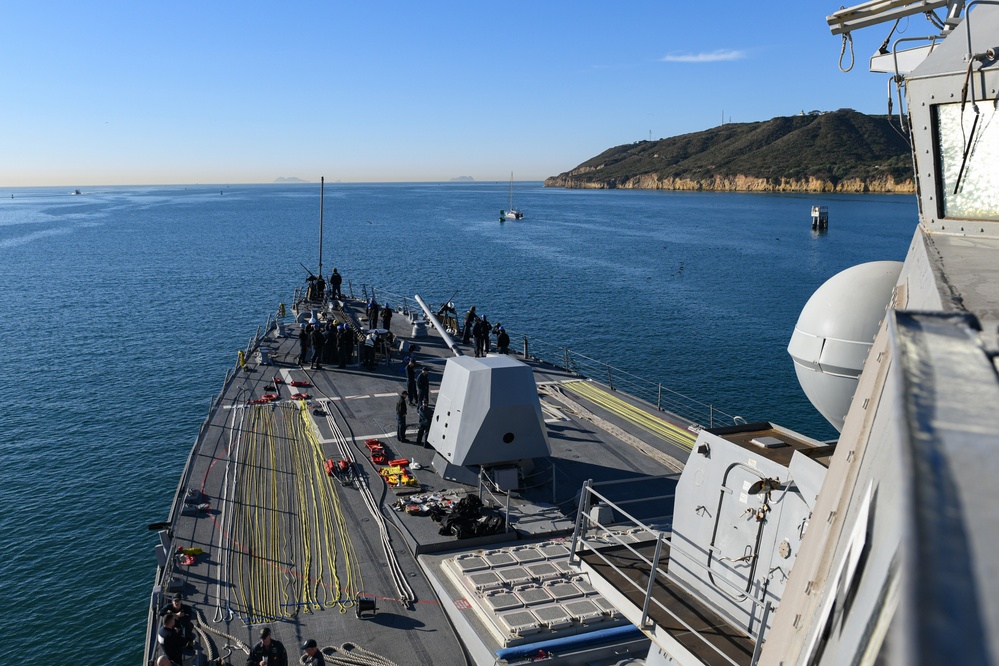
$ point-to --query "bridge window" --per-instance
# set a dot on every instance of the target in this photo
(967, 152)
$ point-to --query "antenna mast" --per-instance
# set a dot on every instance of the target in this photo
(322, 187)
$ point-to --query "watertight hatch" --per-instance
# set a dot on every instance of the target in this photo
(520, 623)
(584, 611)
(534, 595)
(503, 601)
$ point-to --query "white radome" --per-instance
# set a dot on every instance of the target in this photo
(835, 331)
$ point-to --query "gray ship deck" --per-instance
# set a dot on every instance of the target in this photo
(286, 546)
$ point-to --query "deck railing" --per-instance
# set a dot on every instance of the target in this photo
(587, 524)
(653, 393)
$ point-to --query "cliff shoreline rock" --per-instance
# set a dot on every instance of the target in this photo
(839, 151)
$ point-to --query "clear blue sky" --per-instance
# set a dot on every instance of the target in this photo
(239, 92)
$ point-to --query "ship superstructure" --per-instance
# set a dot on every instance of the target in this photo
(889, 557)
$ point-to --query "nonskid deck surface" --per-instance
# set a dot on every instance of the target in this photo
(286, 546)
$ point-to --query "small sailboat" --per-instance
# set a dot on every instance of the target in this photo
(511, 213)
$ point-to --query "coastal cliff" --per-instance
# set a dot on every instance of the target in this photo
(840, 151)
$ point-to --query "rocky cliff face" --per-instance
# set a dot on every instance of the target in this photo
(651, 181)
(836, 151)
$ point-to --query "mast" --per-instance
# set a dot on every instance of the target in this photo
(322, 187)
(510, 201)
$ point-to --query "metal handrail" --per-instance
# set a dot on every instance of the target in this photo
(654, 393)
(484, 477)
(584, 523)
(654, 572)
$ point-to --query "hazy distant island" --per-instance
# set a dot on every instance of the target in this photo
(838, 151)
(289, 179)
(463, 179)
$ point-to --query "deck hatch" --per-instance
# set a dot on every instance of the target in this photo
(503, 601)
(562, 591)
(606, 607)
(544, 571)
(534, 595)
(520, 623)
(527, 555)
(585, 611)
(554, 552)
(467, 564)
(496, 560)
(553, 617)
(486, 580)
(565, 567)
(515, 575)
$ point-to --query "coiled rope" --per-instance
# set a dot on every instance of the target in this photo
(350, 654)
(202, 626)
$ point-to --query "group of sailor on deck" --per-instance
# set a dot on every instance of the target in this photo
(317, 286)
(176, 634)
(479, 328)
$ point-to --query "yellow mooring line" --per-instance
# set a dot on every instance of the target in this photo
(653, 424)
(292, 550)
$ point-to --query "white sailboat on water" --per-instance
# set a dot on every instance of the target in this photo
(511, 213)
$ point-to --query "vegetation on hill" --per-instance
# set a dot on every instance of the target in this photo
(839, 151)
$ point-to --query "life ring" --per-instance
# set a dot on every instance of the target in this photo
(301, 384)
(269, 397)
(299, 396)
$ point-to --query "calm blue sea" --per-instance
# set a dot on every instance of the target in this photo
(123, 307)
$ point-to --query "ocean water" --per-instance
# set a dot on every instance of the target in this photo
(124, 306)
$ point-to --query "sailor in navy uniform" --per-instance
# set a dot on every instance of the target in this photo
(411, 380)
(267, 648)
(312, 656)
(426, 413)
(400, 417)
(470, 318)
(182, 614)
(346, 345)
(170, 640)
(423, 387)
(335, 281)
(502, 341)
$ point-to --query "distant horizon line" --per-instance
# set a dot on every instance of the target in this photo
(454, 181)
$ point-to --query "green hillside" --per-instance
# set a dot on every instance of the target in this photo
(838, 151)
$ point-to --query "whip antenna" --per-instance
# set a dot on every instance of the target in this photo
(322, 187)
